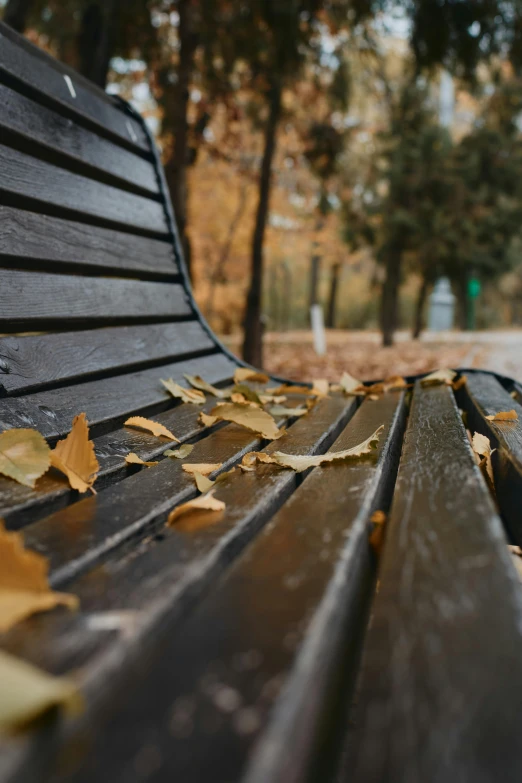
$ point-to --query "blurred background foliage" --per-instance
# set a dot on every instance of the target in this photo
(347, 152)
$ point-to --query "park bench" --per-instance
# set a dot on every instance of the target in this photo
(261, 648)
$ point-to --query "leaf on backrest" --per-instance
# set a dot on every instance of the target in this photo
(198, 383)
(192, 396)
(24, 587)
(24, 455)
(74, 456)
(28, 692)
(250, 416)
(154, 427)
(246, 374)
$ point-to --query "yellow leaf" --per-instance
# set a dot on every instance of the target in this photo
(74, 456)
(349, 384)
(456, 385)
(154, 427)
(180, 453)
(438, 377)
(277, 399)
(248, 393)
(205, 468)
(246, 374)
(24, 455)
(249, 416)
(482, 447)
(504, 416)
(24, 587)
(378, 520)
(203, 483)
(288, 388)
(287, 413)
(303, 462)
(321, 387)
(206, 420)
(202, 503)
(28, 692)
(133, 459)
(236, 397)
(394, 383)
(193, 396)
(198, 383)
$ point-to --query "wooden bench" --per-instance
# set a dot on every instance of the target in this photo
(260, 648)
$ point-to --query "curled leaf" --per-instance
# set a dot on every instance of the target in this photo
(24, 586)
(246, 374)
(277, 399)
(133, 459)
(350, 385)
(321, 387)
(439, 377)
(24, 455)
(504, 416)
(205, 468)
(203, 483)
(206, 420)
(250, 416)
(394, 383)
(304, 462)
(149, 425)
(198, 383)
(202, 503)
(287, 413)
(481, 446)
(192, 396)
(180, 453)
(236, 397)
(289, 388)
(248, 393)
(74, 456)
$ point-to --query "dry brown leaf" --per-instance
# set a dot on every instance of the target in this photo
(24, 455)
(151, 426)
(192, 396)
(198, 383)
(236, 397)
(180, 453)
(287, 413)
(288, 388)
(249, 394)
(303, 462)
(321, 387)
(24, 587)
(206, 420)
(373, 389)
(202, 503)
(133, 459)
(250, 416)
(205, 468)
(395, 383)
(203, 483)
(438, 377)
(350, 385)
(481, 446)
(378, 520)
(246, 374)
(456, 385)
(74, 456)
(277, 399)
(28, 693)
(504, 416)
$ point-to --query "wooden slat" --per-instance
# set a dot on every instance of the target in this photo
(29, 299)
(107, 401)
(43, 77)
(27, 177)
(483, 396)
(27, 237)
(28, 363)
(31, 122)
(440, 697)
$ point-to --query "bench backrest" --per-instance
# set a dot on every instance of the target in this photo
(89, 259)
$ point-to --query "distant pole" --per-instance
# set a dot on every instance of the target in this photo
(315, 263)
(332, 299)
(286, 298)
(446, 99)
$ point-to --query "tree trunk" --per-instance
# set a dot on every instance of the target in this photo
(176, 168)
(95, 41)
(419, 310)
(390, 295)
(16, 13)
(332, 299)
(253, 342)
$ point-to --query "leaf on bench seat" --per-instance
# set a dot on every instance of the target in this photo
(157, 429)
(504, 416)
(195, 508)
(287, 413)
(74, 456)
(24, 587)
(321, 387)
(180, 453)
(248, 415)
(133, 459)
(206, 420)
(205, 468)
(439, 377)
(24, 455)
(246, 374)
(192, 396)
(28, 692)
(198, 383)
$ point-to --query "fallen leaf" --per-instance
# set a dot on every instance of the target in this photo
(154, 427)
(133, 459)
(180, 453)
(321, 387)
(28, 693)
(24, 586)
(277, 399)
(202, 503)
(246, 374)
(303, 462)
(250, 416)
(198, 383)
(350, 385)
(378, 520)
(203, 483)
(481, 446)
(373, 390)
(395, 383)
(192, 396)
(24, 455)
(439, 376)
(456, 385)
(504, 416)
(206, 420)
(248, 393)
(288, 388)
(278, 410)
(205, 468)
(236, 397)
(74, 456)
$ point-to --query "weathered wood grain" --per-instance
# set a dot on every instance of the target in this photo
(440, 695)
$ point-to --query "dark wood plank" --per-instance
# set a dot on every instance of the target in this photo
(440, 696)
(483, 396)
(31, 238)
(28, 122)
(28, 363)
(42, 77)
(30, 299)
(27, 177)
(107, 401)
